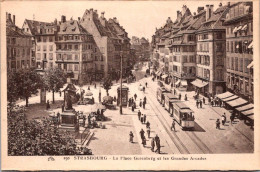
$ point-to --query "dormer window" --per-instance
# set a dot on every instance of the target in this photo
(64, 29)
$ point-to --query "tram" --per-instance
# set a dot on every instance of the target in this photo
(183, 115)
(160, 95)
(169, 99)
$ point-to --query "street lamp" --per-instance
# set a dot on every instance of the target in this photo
(121, 71)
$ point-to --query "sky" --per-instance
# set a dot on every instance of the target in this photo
(139, 18)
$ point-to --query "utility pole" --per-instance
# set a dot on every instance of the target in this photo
(121, 71)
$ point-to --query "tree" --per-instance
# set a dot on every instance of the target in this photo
(25, 83)
(107, 84)
(54, 79)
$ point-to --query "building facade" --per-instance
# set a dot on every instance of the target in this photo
(19, 45)
(142, 48)
(239, 41)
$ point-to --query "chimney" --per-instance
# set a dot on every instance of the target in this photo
(55, 21)
(95, 11)
(115, 19)
(184, 8)
(14, 19)
(194, 13)
(9, 16)
(220, 4)
(102, 14)
(209, 10)
(63, 19)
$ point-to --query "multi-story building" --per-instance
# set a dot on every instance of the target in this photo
(19, 46)
(111, 39)
(142, 47)
(75, 51)
(211, 54)
(239, 41)
(44, 35)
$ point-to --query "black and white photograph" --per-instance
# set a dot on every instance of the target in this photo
(148, 78)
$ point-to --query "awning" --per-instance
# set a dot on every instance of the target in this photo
(230, 98)
(244, 27)
(248, 112)
(235, 30)
(177, 82)
(250, 45)
(250, 65)
(164, 76)
(224, 95)
(245, 107)
(237, 102)
(158, 73)
(240, 27)
(199, 83)
(184, 83)
(168, 87)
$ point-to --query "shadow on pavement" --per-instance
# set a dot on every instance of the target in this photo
(197, 128)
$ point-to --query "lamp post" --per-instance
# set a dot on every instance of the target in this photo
(121, 71)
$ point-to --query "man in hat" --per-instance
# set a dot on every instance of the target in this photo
(139, 115)
(131, 135)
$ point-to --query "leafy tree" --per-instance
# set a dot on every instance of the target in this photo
(107, 84)
(54, 79)
(25, 83)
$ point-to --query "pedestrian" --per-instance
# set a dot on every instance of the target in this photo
(217, 124)
(144, 141)
(135, 96)
(131, 135)
(224, 118)
(180, 96)
(95, 85)
(209, 99)
(156, 138)
(60, 93)
(158, 145)
(134, 105)
(232, 117)
(144, 118)
(143, 89)
(62, 108)
(88, 87)
(220, 103)
(48, 105)
(139, 115)
(203, 99)
(143, 105)
(152, 145)
(197, 103)
(114, 99)
(200, 103)
(146, 84)
(133, 108)
(140, 103)
(185, 98)
(173, 125)
(129, 103)
(142, 133)
(147, 124)
(148, 130)
(93, 100)
(212, 103)
(145, 99)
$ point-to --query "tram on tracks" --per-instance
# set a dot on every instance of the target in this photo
(183, 115)
(160, 95)
(169, 99)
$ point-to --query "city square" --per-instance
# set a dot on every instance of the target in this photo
(83, 87)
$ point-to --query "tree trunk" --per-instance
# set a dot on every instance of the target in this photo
(107, 93)
(26, 102)
(53, 96)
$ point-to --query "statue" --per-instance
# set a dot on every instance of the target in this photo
(68, 102)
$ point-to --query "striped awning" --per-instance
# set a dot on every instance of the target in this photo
(250, 65)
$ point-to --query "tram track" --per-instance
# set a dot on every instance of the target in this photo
(196, 140)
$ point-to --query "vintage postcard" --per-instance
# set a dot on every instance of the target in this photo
(130, 85)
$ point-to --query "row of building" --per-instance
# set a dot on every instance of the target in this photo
(210, 50)
(87, 49)
(141, 46)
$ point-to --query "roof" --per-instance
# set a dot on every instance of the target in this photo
(181, 105)
(245, 107)
(16, 32)
(72, 27)
(33, 25)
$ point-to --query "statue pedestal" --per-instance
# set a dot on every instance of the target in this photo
(68, 120)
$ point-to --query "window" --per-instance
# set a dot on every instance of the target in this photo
(236, 63)
(241, 64)
(76, 47)
(219, 47)
(70, 67)
(102, 67)
(232, 63)
(69, 57)
(232, 47)
(191, 37)
(184, 59)
(205, 36)
(51, 47)
(59, 57)
(219, 35)
(69, 47)
(44, 39)
(38, 56)
(76, 37)
(76, 67)
(38, 48)
(64, 56)
(44, 48)
(228, 63)
(51, 39)
(101, 58)
(76, 57)
(227, 46)
(51, 64)
(60, 38)
(50, 56)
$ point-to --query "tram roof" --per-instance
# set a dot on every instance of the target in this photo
(182, 105)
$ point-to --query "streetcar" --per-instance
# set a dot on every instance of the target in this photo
(160, 95)
(169, 99)
(183, 115)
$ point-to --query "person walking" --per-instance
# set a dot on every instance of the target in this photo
(144, 105)
(144, 89)
(144, 141)
(180, 96)
(131, 137)
(223, 119)
(152, 145)
(203, 99)
(197, 103)
(173, 125)
(133, 108)
(185, 98)
(148, 130)
(140, 103)
(135, 96)
(146, 84)
(48, 105)
(129, 102)
(232, 117)
(144, 118)
(158, 145)
(200, 103)
(217, 124)
(147, 124)
(139, 115)
(145, 99)
(142, 133)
